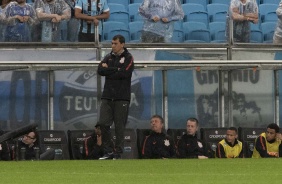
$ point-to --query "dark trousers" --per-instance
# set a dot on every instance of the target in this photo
(113, 112)
(149, 37)
(87, 37)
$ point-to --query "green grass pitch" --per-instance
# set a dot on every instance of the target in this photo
(225, 171)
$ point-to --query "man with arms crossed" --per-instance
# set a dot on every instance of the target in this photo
(117, 67)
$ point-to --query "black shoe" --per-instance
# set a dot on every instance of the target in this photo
(116, 156)
(107, 156)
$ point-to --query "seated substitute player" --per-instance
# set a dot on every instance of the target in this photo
(158, 144)
(93, 145)
(29, 144)
(189, 146)
(4, 150)
(268, 144)
(230, 147)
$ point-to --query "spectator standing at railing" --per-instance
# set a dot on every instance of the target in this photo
(159, 19)
(91, 13)
(19, 18)
(73, 24)
(268, 144)
(277, 36)
(242, 12)
(51, 13)
(4, 150)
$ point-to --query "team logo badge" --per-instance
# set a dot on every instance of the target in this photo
(200, 144)
(166, 142)
(121, 60)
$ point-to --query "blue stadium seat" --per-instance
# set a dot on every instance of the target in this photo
(227, 2)
(217, 12)
(256, 26)
(136, 1)
(270, 17)
(196, 32)
(268, 29)
(201, 2)
(178, 34)
(195, 12)
(256, 33)
(267, 12)
(258, 2)
(118, 13)
(112, 28)
(217, 30)
(135, 29)
(256, 36)
(125, 3)
(133, 12)
(276, 2)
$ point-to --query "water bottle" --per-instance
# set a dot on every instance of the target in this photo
(23, 151)
(37, 154)
(46, 35)
(58, 154)
(81, 150)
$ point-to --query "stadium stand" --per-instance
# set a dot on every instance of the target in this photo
(196, 32)
(276, 2)
(195, 13)
(268, 29)
(256, 33)
(201, 2)
(217, 12)
(76, 140)
(178, 34)
(267, 12)
(125, 3)
(118, 13)
(211, 136)
(130, 150)
(217, 30)
(112, 28)
(133, 12)
(136, 1)
(135, 29)
(141, 135)
(227, 2)
(256, 36)
(55, 139)
(248, 136)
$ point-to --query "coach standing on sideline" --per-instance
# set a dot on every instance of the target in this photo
(117, 67)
